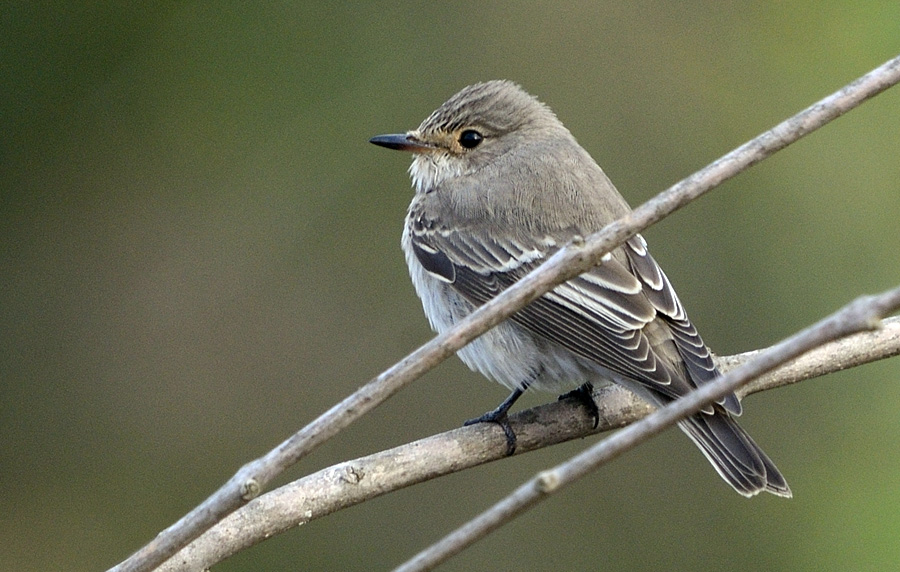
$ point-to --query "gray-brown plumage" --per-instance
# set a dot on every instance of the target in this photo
(500, 185)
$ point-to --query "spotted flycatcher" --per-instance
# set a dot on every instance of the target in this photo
(500, 185)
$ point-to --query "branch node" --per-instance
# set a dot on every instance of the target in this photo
(547, 481)
(352, 475)
(873, 322)
(250, 489)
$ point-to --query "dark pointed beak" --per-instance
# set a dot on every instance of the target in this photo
(401, 142)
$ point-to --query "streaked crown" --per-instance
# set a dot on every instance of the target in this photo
(497, 107)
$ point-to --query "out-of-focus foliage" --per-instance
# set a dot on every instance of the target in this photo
(199, 254)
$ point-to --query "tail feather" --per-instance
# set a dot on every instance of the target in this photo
(734, 455)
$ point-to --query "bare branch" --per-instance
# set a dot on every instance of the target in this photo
(839, 355)
(862, 314)
(359, 480)
(565, 264)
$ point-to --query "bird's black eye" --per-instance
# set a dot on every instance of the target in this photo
(470, 138)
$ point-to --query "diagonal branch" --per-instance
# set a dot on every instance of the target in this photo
(864, 313)
(569, 262)
(353, 482)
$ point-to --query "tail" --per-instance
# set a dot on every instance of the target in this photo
(734, 455)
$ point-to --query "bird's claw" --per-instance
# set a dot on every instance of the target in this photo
(584, 394)
(501, 419)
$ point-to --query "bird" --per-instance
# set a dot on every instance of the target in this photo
(500, 184)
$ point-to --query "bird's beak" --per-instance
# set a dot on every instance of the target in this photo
(401, 142)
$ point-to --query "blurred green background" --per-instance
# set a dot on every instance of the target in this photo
(200, 253)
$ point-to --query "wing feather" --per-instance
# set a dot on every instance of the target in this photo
(601, 315)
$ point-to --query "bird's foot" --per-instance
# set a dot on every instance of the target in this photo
(584, 394)
(502, 419)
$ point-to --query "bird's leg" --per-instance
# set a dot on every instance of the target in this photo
(584, 394)
(500, 417)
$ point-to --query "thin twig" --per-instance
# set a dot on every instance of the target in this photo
(356, 481)
(862, 314)
(569, 262)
